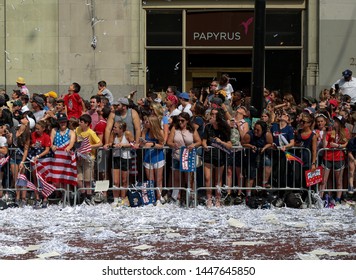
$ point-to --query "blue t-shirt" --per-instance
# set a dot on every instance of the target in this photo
(285, 134)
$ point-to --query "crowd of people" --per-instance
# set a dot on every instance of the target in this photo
(240, 148)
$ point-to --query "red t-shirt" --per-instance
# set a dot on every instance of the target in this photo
(100, 129)
(336, 155)
(74, 106)
(43, 141)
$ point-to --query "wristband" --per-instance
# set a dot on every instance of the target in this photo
(153, 144)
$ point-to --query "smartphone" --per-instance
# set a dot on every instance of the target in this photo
(337, 87)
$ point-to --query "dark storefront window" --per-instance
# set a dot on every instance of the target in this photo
(218, 59)
(164, 68)
(283, 71)
(283, 28)
(164, 28)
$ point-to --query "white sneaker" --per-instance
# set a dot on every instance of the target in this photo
(158, 203)
(117, 203)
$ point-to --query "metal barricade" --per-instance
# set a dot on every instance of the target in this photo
(241, 171)
(10, 172)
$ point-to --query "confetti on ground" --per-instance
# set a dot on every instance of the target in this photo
(49, 255)
(143, 247)
(236, 223)
(199, 252)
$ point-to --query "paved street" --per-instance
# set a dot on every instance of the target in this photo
(170, 232)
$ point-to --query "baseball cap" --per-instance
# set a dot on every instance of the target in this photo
(51, 94)
(122, 100)
(17, 103)
(333, 102)
(341, 119)
(62, 117)
(184, 95)
(38, 100)
(310, 100)
(173, 99)
(347, 73)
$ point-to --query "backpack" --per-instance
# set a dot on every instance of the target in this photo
(293, 200)
(3, 205)
(261, 200)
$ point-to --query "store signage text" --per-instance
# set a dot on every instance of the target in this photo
(218, 36)
(228, 28)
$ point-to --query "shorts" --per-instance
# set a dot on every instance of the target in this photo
(156, 165)
(123, 164)
(175, 164)
(85, 169)
(235, 159)
(252, 166)
(215, 159)
(16, 158)
(335, 165)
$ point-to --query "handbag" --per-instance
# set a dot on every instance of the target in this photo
(134, 195)
(198, 161)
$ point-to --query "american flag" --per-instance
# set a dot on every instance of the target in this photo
(44, 187)
(84, 147)
(23, 181)
(64, 168)
(3, 161)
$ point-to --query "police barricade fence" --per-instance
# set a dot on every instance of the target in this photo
(9, 176)
(241, 171)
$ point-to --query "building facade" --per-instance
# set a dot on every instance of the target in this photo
(150, 44)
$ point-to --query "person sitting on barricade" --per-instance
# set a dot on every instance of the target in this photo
(257, 141)
(121, 140)
(336, 139)
(88, 141)
(217, 134)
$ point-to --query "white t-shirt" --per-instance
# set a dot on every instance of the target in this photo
(347, 87)
(3, 141)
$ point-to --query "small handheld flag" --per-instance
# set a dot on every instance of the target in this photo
(291, 157)
(44, 187)
(84, 147)
(3, 161)
(24, 182)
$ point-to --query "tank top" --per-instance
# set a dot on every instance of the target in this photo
(128, 120)
(61, 141)
(182, 138)
(124, 152)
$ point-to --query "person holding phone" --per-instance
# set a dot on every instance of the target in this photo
(347, 85)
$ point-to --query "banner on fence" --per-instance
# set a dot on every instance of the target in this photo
(187, 159)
